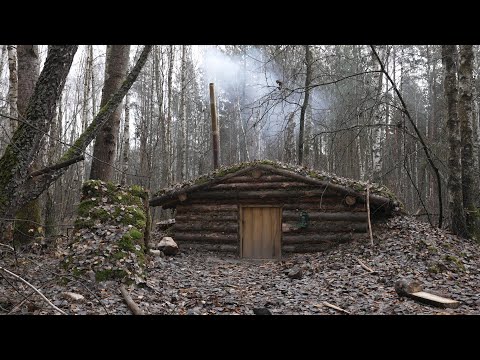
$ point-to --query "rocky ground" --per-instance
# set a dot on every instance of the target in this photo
(194, 282)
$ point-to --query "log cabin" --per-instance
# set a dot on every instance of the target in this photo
(262, 209)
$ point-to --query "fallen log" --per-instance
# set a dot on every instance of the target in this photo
(414, 290)
(134, 308)
(435, 300)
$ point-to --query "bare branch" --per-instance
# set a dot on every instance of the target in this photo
(33, 288)
(57, 166)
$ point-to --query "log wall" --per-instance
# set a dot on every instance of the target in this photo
(209, 218)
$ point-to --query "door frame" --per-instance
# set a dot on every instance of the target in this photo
(240, 226)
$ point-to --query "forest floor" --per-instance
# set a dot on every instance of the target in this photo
(194, 282)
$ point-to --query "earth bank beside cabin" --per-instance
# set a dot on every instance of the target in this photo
(108, 242)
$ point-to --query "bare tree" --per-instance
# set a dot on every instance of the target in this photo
(303, 110)
(126, 141)
(29, 217)
(116, 66)
(455, 197)
(465, 116)
(17, 185)
(13, 86)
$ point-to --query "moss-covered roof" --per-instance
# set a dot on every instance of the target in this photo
(356, 185)
(378, 193)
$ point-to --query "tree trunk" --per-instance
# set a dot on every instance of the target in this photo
(13, 86)
(55, 132)
(290, 140)
(25, 143)
(2, 59)
(455, 197)
(29, 217)
(16, 186)
(126, 140)
(303, 110)
(181, 150)
(116, 66)
(465, 116)
(166, 169)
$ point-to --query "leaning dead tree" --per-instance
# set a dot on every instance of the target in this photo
(17, 185)
(419, 135)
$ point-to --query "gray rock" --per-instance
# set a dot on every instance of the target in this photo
(295, 272)
(168, 246)
(194, 311)
(73, 296)
(407, 286)
(261, 311)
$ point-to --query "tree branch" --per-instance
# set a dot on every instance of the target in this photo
(34, 288)
(135, 309)
(35, 188)
(420, 137)
(58, 166)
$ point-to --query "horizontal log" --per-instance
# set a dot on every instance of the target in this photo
(173, 195)
(186, 217)
(207, 207)
(323, 226)
(165, 224)
(262, 194)
(292, 202)
(264, 178)
(170, 199)
(316, 205)
(288, 238)
(306, 248)
(210, 247)
(333, 216)
(206, 237)
(229, 198)
(376, 200)
(262, 185)
(225, 227)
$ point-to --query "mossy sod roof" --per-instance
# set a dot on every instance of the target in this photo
(378, 193)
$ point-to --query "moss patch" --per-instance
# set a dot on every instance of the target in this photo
(27, 226)
(109, 233)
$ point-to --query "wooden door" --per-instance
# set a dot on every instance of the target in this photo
(260, 231)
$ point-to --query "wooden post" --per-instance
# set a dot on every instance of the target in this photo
(368, 214)
(215, 131)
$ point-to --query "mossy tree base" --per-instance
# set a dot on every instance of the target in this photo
(473, 223)
(109, 233)
(30, 228)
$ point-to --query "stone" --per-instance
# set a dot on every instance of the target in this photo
(295, 272)
(261, 311)
(168, 246)
(406, 286)
(155, 252)
(73, 296)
